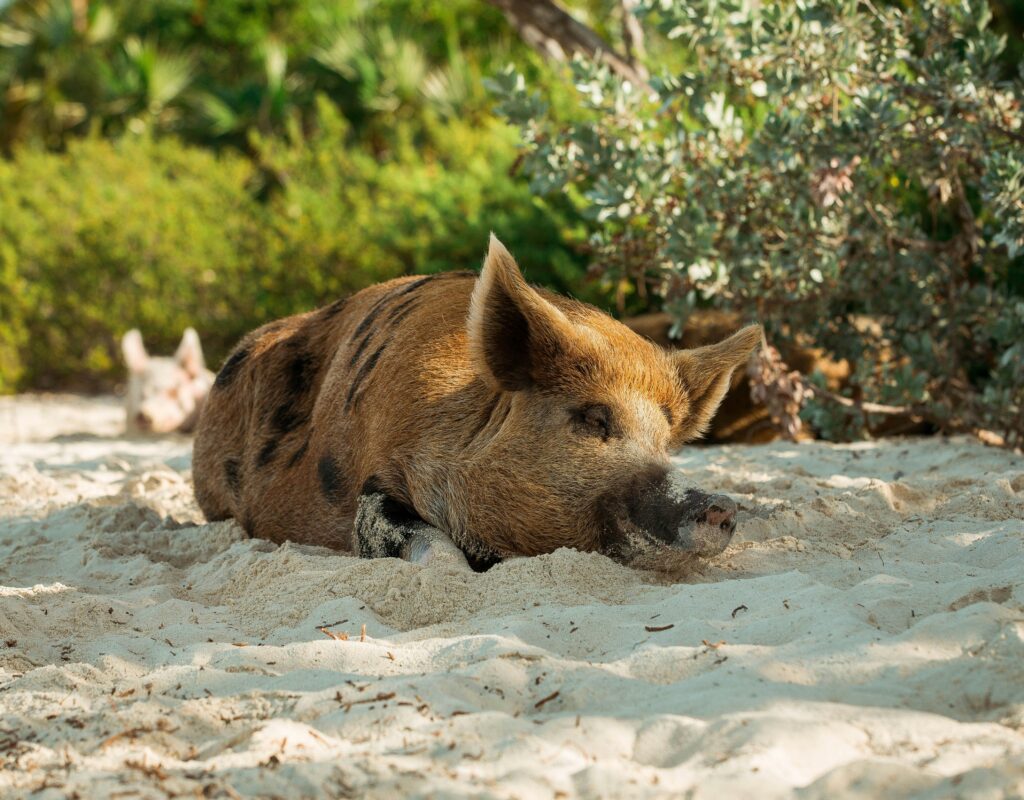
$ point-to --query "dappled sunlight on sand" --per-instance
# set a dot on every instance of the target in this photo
(865, 630)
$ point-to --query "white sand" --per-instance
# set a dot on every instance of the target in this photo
(863, 637)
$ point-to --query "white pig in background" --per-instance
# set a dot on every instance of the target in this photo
(165, 394)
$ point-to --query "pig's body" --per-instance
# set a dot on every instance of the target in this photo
(510, 420)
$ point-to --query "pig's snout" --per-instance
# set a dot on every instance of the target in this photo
(710, 532)
(721, 514)
(685, 518)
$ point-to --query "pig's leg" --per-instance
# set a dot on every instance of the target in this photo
(385, 528)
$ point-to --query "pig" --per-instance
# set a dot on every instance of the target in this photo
(164, 394)
(466, 419)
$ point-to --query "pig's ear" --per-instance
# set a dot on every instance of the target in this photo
(134, 352)
(515, 335)
(706, 372)
(190, 353)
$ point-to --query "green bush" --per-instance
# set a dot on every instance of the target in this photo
(159, 235)
(836, 170)
(106, 237)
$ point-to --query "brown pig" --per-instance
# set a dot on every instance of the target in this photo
(456, 415)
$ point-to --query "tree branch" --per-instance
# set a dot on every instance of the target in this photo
(556, 34)
(861, 405)
(633, 37)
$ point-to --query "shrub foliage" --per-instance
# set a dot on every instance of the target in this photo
(839, 170)
(161, 235)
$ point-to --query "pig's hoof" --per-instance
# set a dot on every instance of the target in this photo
(433, 548)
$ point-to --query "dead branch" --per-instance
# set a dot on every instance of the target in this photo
(912, 412)
(556, 34)
(633, 37)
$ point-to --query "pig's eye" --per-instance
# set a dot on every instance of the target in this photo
(595, 420)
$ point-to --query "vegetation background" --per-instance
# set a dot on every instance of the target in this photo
(849, 173)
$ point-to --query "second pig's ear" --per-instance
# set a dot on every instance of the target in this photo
(515, 335)
(706, 372)
(190, 353)
(134, 352)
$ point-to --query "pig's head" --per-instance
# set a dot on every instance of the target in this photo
(164, 394)
(576, 450)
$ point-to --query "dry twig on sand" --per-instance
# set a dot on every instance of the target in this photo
(547, 699)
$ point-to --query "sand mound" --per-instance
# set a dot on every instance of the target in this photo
(864, 636)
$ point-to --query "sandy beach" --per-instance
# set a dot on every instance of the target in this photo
(862, 637)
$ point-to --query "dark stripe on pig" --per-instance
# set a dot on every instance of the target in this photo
(407, 289)
(360, 349)
(363, 328)
(400, 312)
(367, 321)
(397, 314)
(230, 369)
(300, 373)
(231, 473)
(332, 479)
(412, 286)
(298, 454)
(397, 310)
(301, 370)
(363, 373)
(368, 335)
(266, 453)
(287, 418)
(334, 308)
